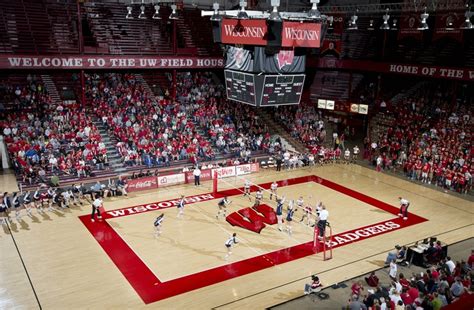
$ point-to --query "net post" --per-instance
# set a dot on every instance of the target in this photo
(214, 183)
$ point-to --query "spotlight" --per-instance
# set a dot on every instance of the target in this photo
(129, 13)
(142, 12)
(353, 22)
(242, 14)
(371, 25)
(394, 25)
(385, 25)
(216, 17)
(173, 14)
(330, 19)
(274, 15)
(314, 12)
(156, 15)
(423, 24)
(467, 22)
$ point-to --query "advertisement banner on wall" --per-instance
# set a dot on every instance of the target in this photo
(142, 184)
(206, 175)
(224, 172)
(171, 179)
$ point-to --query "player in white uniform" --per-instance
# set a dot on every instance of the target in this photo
(181, 206)
(247, 185)
(307, 214)
(258, 197)
(229, 243)
(347, 156)
(158, 222)
(273, 190)
(404, 204)
(222, 207)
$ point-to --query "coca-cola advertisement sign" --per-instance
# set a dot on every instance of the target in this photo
(142, 184)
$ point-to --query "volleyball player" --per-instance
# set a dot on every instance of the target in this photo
(181, 206)
(247, 189)
(273, 190)
(306, 214)
(37, 200)
(28, 203)
(289, 216)
(96, 204)
(258, 197)
(347, 156)
(5, 205)
(16, 205)
(279, 212)
(404, 204)
(229, 243)
(158, 222)
(222, 207)
(300, 202)
(3, 213)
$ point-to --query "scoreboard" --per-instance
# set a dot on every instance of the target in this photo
(264, 90)
(282, 89)
(240, 86)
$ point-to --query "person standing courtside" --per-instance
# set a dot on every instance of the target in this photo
(323, 218)
(197, 176)
(96, 204)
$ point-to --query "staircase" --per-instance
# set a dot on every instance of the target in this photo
(402, 95)
(288, 142)
(145, 85)
(51, 87)
(115, 160)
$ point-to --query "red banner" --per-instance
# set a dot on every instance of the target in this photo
(331, 46)
(409, 22)
(107, 62)
(242, 31)
(296, 34)
(142, 184)
(448, 25)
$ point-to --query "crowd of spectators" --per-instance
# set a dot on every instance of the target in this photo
(46, 139)
(149, 131)
(156, 131)
(441, 284)
(430, 139)
(304, 122)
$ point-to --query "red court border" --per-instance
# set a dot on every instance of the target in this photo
(151, 289)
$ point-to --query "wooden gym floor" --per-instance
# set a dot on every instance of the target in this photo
(117, 263)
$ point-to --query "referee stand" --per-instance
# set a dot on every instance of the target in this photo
(322, 245)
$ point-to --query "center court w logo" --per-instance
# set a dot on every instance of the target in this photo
(254, 219)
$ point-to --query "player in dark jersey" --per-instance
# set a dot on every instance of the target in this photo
(222, 207)
(180, 206)
(158, 223)
(229, 243)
